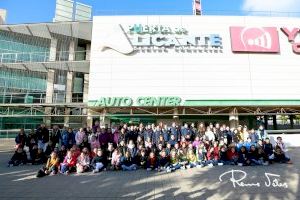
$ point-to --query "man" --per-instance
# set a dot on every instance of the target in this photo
(43, 136)
(185, 132)
(175, 131)
(55, 135)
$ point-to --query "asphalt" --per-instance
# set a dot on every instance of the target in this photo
(197, 183)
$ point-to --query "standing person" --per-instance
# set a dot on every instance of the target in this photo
(31, 140)
(245, 133)
(210, 136)
(175, 131)
(96, 126)
(55, 135)
(43, 136)
(229, 135)
(262, 133)
(21, 138)
(155, 136)
(79, 136)
(148, 133)
(166, 133)
(217, 131)
(186, 132)
(201, 130)
(253, 136)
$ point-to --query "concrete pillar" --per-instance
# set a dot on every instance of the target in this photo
(274, 122)
(88, 52)
(72, 50)
(104, 121)
(88, 121)
(292, 121)
(49, 95)
(53, 47)
(85, 88)
(69, 87)
(233, 119)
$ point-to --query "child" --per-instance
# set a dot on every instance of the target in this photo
(69, 163)
(262, 158)
(151, 162)
(253, 156)
(19, 157)
(280, 157)
(192, 159)
(62, 153)
(243, 157)
(223, 155)
(51, 167)
(131, 148)
(37, 156)
(109, 152)
(268, 149)
(163, 162)
(142, 159)
(174, 161)
(115, 160)
(94, 142)
(127, 162)
(83, 161)
(201, 155)
(99, 162)
(183, 159)
(232, 156)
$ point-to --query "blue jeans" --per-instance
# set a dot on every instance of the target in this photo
(175, 166)
(129, 168)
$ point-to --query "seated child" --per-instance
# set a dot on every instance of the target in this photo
(127, 162)
(268, 149)
(83, 161)
(280, 157)
(19, 157)
(183, 159)
(223, 155)
(142, 159)
(253, 156)
(201, 155)
(151, 162)
(37, 156)
(262, 156)
(243, 159)
(51, 168)
(109, 152)
(69, 163)
(174, 161)
(99, 162)
(163, 162)
(116, 160)
(191, 158)
(62, 153)
(232, 156)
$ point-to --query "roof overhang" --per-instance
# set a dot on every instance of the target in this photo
(76, 66)
(80, 30)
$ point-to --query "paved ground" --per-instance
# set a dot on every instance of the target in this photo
(204, 183)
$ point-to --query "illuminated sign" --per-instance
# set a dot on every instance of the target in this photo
(140, 101)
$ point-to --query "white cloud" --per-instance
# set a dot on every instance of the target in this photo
(272, 5)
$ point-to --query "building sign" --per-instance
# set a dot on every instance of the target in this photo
(245, 39)
(140, 101)
(262, 39)
(152, 38)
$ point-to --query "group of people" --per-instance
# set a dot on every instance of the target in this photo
(151, 147)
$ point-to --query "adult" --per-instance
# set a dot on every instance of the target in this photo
(55, 135)
(42, 134)
(262, 133)
(21, 138)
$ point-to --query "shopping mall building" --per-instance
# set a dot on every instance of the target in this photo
(234, 69)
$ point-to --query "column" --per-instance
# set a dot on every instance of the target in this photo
(49, 95)
(88, 52)
(69, 85)
(274, 122)
(72, 50)
(88, 121)
(53, 47)
(233, 119)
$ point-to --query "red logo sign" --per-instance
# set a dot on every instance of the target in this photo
(249, 39)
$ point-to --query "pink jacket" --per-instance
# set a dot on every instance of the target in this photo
(115, 160)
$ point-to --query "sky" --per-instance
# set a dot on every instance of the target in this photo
(32, 11)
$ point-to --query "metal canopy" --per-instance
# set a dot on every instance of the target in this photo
(80, 30)
(78, 66)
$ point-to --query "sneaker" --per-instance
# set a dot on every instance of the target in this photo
(183, 167)
(95, 171)
(67, 173)
(199, 166)
(265, 163)
(169, 170)
(188, 167)
(149, 169)
(210, 165)
(9, 165)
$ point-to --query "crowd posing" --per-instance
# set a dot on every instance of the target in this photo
(151, 147)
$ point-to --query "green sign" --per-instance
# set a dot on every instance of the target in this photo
(140, 101)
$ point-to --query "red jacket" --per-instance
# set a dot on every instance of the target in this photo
(70, 162)
(231, 155)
